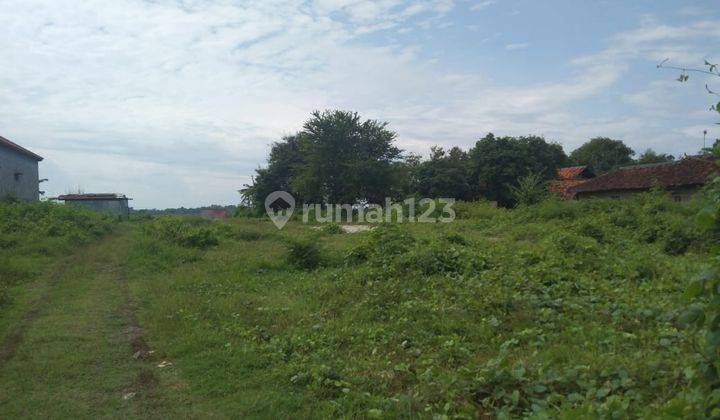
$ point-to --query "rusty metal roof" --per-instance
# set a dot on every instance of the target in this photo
(16, 147)
(692, 170)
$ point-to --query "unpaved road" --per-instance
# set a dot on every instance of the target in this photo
(77, 349)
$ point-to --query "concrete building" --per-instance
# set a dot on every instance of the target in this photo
(113, 204)
(681, 179)
(18, 172)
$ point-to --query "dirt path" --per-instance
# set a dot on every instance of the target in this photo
(79, 350)
(12, 340)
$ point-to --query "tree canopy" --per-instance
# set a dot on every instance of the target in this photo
(603, 154)
(336, 158)
(651, 156)
(497, 163)
(339, 158)
(445, 174)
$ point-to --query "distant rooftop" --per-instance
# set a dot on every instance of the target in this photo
(100, 196)
(691, 170)
(18, 148)
(574, 172)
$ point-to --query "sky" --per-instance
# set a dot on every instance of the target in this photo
(176, 102)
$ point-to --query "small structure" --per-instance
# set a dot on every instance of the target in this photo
(569, 177)
(112, 203)
(682, 179)
(18, 172)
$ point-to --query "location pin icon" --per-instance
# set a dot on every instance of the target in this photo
(279, 206)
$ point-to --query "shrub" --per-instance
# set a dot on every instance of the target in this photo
(185, 231)
(304, 255)
(435, 258)
(332, 229)
(530, 189)
(381, 246)
(678, 238)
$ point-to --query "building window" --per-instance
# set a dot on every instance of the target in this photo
(18, 176)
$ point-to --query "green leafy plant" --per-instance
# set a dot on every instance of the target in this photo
(332, 229)
(304, 254)
(186, 231)
(529, 190)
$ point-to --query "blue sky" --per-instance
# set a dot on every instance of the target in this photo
(175, 102)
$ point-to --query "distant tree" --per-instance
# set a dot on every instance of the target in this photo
(445, 174)
(650, 156)
(602, 154)
(496, 163)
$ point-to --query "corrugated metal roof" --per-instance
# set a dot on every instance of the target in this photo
(16, 147)
(101, 196)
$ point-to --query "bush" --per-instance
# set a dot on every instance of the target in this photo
(530, 189)
(435, 258)
(186, 231)
(678, 238)
(332, 229)
(304, 255)
(384, 243)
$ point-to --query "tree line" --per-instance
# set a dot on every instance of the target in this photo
(340, 158)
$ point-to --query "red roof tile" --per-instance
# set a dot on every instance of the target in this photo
(18, 148)
(692, 170)
(574, 172)
(562, 186)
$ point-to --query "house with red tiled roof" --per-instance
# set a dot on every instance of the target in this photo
(569, 177)
(682, 179)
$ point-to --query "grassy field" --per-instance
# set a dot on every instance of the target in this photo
(564, 309)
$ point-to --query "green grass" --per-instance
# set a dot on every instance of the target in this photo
(565, 309)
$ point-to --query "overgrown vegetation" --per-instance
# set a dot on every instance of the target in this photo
(558, 309)
(192, 232)
(33, 234)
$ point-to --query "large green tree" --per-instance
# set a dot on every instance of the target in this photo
(497, 163)
(283, 161)
(337, 158)
(346, 159)
(602, 154)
